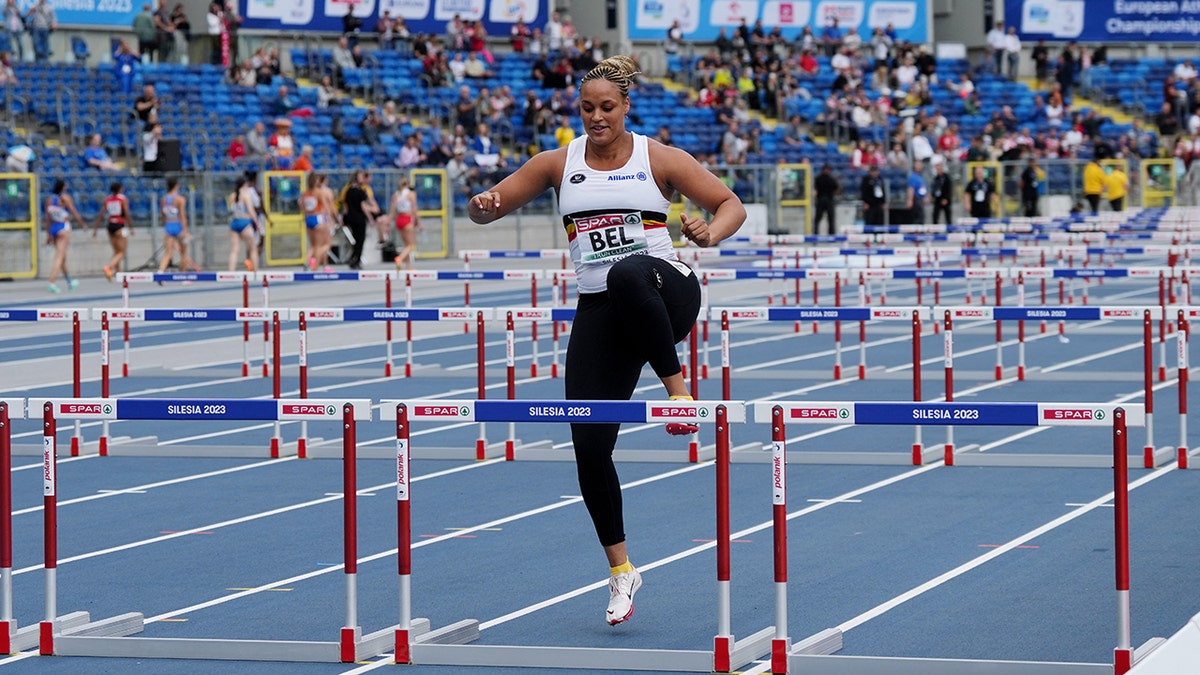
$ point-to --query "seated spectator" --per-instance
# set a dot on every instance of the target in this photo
(96, 157)
(734, 145)
(841, 61)
(475, 67)
(907, 73)
(664, 136)
(486, 153)
(460, 174)
(256, 141)
(460, 140)
(795, 135)
(283, 103)
(1185, 72)
(304, 161)
(370, 127)
(501, 102)
(1167, 121)
(458, 67)
(410, 153)
(327, 94)
(465, 111)
(237, 148)
(897, 158)
(809, 66)
(389, 120)
(19, 159)
(244, 75)
(564, 134)
(852, 40)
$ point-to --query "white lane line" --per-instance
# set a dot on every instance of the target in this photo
(933, 583)
(329, 498)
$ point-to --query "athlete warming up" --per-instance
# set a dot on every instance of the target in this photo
(636, 299)
(115, 216)
(59, 211)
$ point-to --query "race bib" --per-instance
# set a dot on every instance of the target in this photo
(980, 195)
(113, 208)
(310, 203)
(58, 214)
(609, 237)
(878, 192)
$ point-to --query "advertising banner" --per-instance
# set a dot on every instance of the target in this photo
(90, 12)
(421, 16)
(1105, 20)
(703, 19)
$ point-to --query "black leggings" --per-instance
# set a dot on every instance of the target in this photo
(649, 307)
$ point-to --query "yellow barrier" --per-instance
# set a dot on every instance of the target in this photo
(433, 205)
(1158, 182)
(285, 241)
(19, 235)
(794, 190)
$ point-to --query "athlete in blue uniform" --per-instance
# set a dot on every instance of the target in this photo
(241, 225)
(59, 210)
(173, 209)
(636, 299)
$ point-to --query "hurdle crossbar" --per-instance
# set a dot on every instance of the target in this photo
(726, 654)
(1118, 418)
(109, 637)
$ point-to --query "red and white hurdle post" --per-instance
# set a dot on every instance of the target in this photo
(245, 331)
(781, 644)
(723, 641)
(917, 454)
(6, 605)
(1123, 654)
(266, 359)
(103, 442)
(403, 536)
(1181, 339)
(510, 362)
(1148, 384)
(726, 373)
(302, 441)
(50, 525)
(387, 293)
(350, 632)
(948, 342)
(481, 388)
(276, 383)
(76, 378)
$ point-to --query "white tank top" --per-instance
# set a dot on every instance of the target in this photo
(610, 215)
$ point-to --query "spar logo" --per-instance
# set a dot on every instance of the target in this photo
(443, 411)
(745, 314)
(820, 413)
(321, 314)
(682, 411)
(121, 314)
(597, 222)
(1072, 414)
(86, 408)
(455, 314)
(971, 313)
(52, 314)
(309, 409)
(1120, 313)
(888, 314)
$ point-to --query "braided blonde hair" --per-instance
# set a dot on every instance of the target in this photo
(620, 70)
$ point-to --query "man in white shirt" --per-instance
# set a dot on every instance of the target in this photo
(840, 61)
(1185, 72)
(996, 42)
(554, 32)
(1012, 49)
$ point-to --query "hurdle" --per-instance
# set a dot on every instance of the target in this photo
(109, 637)
(1151, 455)
(1183, 318)
(1118, 418)
(160, 278)
(74, 315)
(726, 655)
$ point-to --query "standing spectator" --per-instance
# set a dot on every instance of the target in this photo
(1065, 74)
(232, 22)
(554, 32)
(183, 33)
(872, 192)
(918, 194)
(282, 145)
(1030, 182)
(1117, 184)
(979, 196)
(1093, 184)
(150, 139)
(385, 30)
(41, 21)
(14, 28)
(214, 22)
(674, 39)
(146, 106)
(941, 190)
(831, 37)
(164, 32)
(1041, 62)
(351, 25)
(147, 34)
(518, 36)
(123, 66)
(996, 43)
(827, 189)
(1012, 50)
(256, 141)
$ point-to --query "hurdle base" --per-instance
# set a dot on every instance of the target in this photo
(457, 633)
(828, 641)
(23, 639)
(812, 664)
(1054, 461)
(1157, 457)
(759, 455)
(148, 446)
(550, 454)
(655, 660)
(751, 647)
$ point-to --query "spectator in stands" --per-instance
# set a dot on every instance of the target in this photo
(1064, 75)
(460, 174)
(256, 141)
(664, 136)
(146, 33)
(351, 25)
(881, 48)
(41, 20)
(164, 33)
(460, 140)
(466, 112)
(215, 23)
(949, 144)
(475, 67)
(1054, 110)
(872, 193)
(385, 31)
(282, 145)
(327, 94)
(237, 148)
(1029, 184)
(794, 135)
(485, 152)
(1185, 72)
(266, 65)
(733, 145)
(980, 198)
(831, 37)
(410, 153)
(124, 59)
(501, 102)
(809, 66)
(146, 105)
(918, 194)
(370, 127)
(343, 58)
(674, 39)
(245, 75)
(283, 103)
(564, 134)
(1012, 52)
(458, 67)
(182, 33)
(304, 161)
(390, 121)
(1041, 62)
(518, 35)
(232, 22)
(151, 137)
(994, 50)
(852, 40)
(941, 191)
(897, 158)
(14, 28)
(554, 32)
(96, 157)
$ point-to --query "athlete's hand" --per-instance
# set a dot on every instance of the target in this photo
(695, 230)
(483, 206)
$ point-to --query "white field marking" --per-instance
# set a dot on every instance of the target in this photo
(121, 492)
(933, 583)
(63, 460)
(246, 519)
(91, 337)
(1080, 504)
(840, 501)
(858, 492)
(164, 483)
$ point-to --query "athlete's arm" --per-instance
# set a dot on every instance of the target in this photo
(684, 174)
(181, 204)
(518, 189)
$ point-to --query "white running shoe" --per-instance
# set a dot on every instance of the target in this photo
(620, 596)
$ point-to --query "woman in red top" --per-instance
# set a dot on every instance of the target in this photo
(115, 214)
